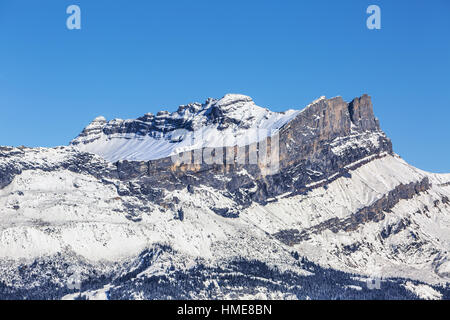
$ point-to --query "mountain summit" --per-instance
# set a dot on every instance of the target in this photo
(231, 120)
(215, 123)
(117, 211)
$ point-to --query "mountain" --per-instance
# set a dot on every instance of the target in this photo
(224, 122)
(225, 199)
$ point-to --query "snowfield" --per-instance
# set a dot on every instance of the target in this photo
(66, 212)
(43, 213)
(249, 123)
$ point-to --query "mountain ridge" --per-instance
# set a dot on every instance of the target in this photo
(340, 202)
(233, 110)
(229, 121)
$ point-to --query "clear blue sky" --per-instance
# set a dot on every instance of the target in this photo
(133, 57)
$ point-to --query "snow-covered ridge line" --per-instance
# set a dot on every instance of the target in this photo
(374, 211)
(232, 120)
(338, 172)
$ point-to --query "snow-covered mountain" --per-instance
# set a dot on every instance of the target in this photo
(224, 122)
(113, 216)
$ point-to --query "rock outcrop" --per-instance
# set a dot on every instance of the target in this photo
(373, 212)
(317, 145)
(332, 194)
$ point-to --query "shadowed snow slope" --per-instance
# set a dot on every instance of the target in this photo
(342, 205)
(232, 120)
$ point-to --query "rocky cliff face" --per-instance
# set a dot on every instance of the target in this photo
(222, 122)
(361, 114)
(15, 161)
(316, 146)
(339, 203)
(376, 211)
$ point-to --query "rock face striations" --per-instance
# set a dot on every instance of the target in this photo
(215, 123)
(224, 199)
(317, 145)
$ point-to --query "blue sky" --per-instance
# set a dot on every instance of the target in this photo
(133, 57)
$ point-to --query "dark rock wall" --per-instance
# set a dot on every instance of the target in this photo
(305, 157)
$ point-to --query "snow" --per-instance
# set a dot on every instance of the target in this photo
(317, 100)
(356, 140)
(48, 210)
(44, 212)
(423, 291)
(255, 124)
(62, 211)
(345, 196)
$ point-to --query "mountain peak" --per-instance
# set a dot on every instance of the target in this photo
(235, 106)
(361, 113)
(232, 98)
(99, 119)
(152, 137)
(231, 118)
